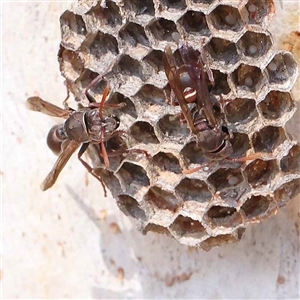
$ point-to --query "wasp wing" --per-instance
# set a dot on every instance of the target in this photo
(68, 148)
(38, 104)
(174, 81)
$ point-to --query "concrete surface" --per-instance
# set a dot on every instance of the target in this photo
(70, 242)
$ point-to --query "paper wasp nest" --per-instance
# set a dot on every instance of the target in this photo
(125, 41)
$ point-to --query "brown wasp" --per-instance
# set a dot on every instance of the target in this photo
(81, 128)
(189, 83)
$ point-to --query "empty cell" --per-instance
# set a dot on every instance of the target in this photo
(222, 216)
(131, 207)
(195, 23)
(276, 105)
(287, 192)
(144, 133)
(187, 227)
(222, 51)
(225, 178)
(167, 162)
(291, 162)
(193, 190)
(248, 78)
(226, 18)
(162, 199)
(254, 44)
(261, 172)
(259, 10)
(133, 176)
(192, 154)
(163, 30)
(150, 227)
(145, 7)
(154, 59)
(129, 108)
(221, 84)
(176, 4)
(172, 127)
(130, 67)
(268, 139)
(256, 206)
(240, 110)
(216, 241)
(134, 34)
(282, 68)
(86, 78)
(105, 16)
(150, 95)
(102, 44)
(72, 22)
(240, 145)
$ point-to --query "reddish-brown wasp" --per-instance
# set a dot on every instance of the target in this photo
(81, 128)
(190, 84)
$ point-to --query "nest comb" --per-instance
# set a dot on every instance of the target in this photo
(124, 41)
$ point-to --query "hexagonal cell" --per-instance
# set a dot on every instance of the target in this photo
(225, 178)
(134, 34)
(216, 241)
(222, 216)
(240, 110)
(167, 162)
(102, 44)
(131, 207)
(240, 144)
(282, 68)
(192, 154)
(109, 179)
(129, 108)
(150, 227)
(172, 127)
(130, 67)
(86, 78)
(161, 199)
(291, 162)
(222, 52)
(248, 78)
(144, 133)
(259, 11)
(145, 7)
(73, 30)
(154, 59)
(101, 16)
(261, 172)
(287, 192)
(256, 207)
(163, 30)
(276, 105)
(133, 177)
(149, 95)
(226, 18)
(174, 4)
(254, 44)
(187, 227)
(193, 190)
(221, 85)
(268, 139)
(71, 65)
(194, 23)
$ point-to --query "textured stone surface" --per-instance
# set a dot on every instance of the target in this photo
(61, 238)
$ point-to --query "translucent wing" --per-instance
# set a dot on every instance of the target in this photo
(174, 81)
(38, 104)
(69, 147)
